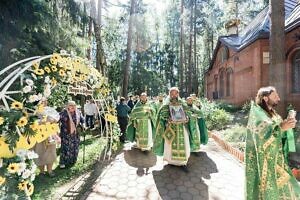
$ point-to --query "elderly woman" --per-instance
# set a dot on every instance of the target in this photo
(70, 118)
(47, 149)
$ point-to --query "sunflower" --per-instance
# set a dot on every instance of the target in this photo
(56, 56)
(16, 105)
(22, 122)
(35, 65)
(1, 120)
(47, 69)
(25, 114)
(29, 189)
(35, 125)
(77, 60)
(53, 61)
(62, 72)
(13, 168)
(2, 180)
(54, 128)
(23, 185)
(39, 72)
(54, 68)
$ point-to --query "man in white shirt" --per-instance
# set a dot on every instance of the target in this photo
(90, 111)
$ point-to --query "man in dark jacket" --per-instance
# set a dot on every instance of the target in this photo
(122, 112)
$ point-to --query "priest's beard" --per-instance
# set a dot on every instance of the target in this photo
(160, 101)
(174, 99)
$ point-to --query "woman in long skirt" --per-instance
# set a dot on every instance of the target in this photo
(70, 118)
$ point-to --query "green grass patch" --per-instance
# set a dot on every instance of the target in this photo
(45, 186)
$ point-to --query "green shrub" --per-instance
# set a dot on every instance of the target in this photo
(215, 117)
(228, 107)
(236, 136)
(246, 107)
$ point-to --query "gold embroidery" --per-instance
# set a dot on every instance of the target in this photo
(268, 142)
(283, 176)
(264, 176)
(169, 134)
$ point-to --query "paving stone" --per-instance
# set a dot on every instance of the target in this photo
(186, 196)
(174, 194)
(215, 174)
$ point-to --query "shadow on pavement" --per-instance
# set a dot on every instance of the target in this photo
(173, 183)
(140, 160)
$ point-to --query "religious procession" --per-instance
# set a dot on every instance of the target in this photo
(149, 100)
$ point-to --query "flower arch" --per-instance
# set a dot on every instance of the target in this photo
(25, 83)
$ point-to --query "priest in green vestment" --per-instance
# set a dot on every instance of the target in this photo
(268, 176)
(197, 128)
(172, 140)
(141, 127)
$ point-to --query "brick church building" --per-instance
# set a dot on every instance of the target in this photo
(240, 61)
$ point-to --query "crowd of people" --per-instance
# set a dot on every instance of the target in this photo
(168, 125)
(174, 128)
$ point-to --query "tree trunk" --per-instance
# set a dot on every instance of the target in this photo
(277, 72)
(190, 64)
(128, 51)
(181, 49)
(196, 83)
(90, 31)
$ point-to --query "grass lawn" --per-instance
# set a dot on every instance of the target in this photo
(45, 186)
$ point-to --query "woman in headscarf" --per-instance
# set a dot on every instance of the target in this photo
(70, 118)
(47, 149)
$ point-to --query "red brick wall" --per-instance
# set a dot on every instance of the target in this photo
(249, 72)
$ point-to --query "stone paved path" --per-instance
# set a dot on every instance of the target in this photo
(214, 174)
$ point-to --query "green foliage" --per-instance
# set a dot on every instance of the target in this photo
(228, 107)
(236, 135)
(35, 27)
(246, 107)
(59, 96)
(215, 117)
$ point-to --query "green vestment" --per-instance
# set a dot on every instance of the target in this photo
(173, 138)
(197, 128)
(268, 177)
(141, 125)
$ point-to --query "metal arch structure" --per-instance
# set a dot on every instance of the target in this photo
(14, 73)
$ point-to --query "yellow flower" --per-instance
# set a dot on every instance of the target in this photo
(62, 72)
(29, 189)
(53, 61)
(40, 108)
(35, 65)
(47, 69)
(2, 180)
(54, 128)
(35, 125)
(56, 56)
(77, 60)
(25, 114)
(16, 105)
(22, 122)
(39, 72)
(1, 120)
(54, 68)
(13, 168)
(23, 185)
